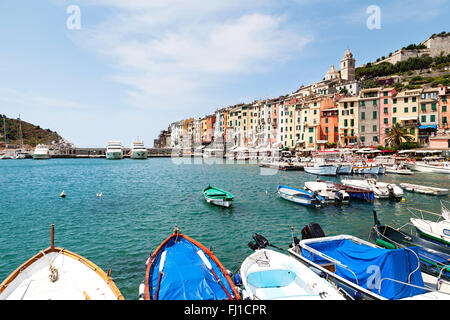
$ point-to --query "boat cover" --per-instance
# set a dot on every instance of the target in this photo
(185, 276)
(372, 265)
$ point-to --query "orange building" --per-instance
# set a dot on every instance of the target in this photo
(443, 105)
(329, 123)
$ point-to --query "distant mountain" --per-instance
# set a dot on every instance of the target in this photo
(31, 134)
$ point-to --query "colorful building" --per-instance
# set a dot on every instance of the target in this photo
(443, 105)
(348, 109)
(386, 97)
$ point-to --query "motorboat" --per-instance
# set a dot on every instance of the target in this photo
(353, 192)
(41, 152)
(437, 230)
(299, 196)
(434, 257)
(430, 166)
(181, 268)
(381, 190)
(218, 197)
(114, 150)
(322, 169)
(59, 274)
(365, 169)
(424, 189)
(270, 275)
(328, 191)
(399, 169)
(367, 271)
(138, 150)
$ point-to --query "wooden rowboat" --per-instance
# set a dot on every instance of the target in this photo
(218, 197)
(424, 189)
(59, 274)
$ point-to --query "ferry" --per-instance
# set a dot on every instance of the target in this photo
(114, 150)
(138, 150)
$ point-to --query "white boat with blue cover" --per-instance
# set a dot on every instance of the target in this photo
(328, 190)
(300, 196)
(270, 275)
(367, 271)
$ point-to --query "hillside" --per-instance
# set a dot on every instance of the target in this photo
(32, 134)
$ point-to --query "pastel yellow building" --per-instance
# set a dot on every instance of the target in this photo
(348, 121)
(405, 111)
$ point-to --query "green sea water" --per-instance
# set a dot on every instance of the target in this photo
(144, 199)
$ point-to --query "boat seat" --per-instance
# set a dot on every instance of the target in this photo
(271, 278)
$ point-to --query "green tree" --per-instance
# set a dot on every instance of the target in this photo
(397, 134)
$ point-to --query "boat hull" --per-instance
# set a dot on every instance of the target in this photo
(424, 189)
(439, 231)
(422, 167)
(114, 155)
(139, 154)
(40, 156)
(345, 169)
(322, 170)
(72, 278)
(219, 202)
(366, 170)
(300, 196)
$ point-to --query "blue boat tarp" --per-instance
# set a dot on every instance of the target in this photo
(185, 275)
(429, 126)
(371, 265)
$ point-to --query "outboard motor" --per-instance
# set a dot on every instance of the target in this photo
(312, 230)
(338, 197)
(392, 193)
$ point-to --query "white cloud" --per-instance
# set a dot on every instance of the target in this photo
(171, 52)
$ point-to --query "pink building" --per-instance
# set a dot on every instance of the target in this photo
(385, 111)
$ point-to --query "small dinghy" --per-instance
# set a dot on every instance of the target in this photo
(354, 193)
(183, 269)
(438, 230)
(381, 190)
(322, 169)
(424, 189)
(399, 169)
(218, 197)
(301, 196)
(59, 274)
(270, 275)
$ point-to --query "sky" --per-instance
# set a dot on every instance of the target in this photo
(126, 69)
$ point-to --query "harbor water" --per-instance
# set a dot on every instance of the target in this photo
(144, 199)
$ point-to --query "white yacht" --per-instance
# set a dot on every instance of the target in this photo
(114, 150)
(138, 150)
(41, 152)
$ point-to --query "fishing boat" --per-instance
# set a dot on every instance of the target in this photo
(424, 189)
(430, 166)
(218, 197)
(365, 169)
(59, 274)
(381, 190)
(310, 199)
(322, 170)
(399, 169)
(367, 271)
(434, 257)
(328, 191)
(438, 230)
(353, 192)
(41, 152)
(344, 169)
(183, 269)
(271, 275)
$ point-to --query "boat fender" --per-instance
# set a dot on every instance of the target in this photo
(141, 291)
(237, 279)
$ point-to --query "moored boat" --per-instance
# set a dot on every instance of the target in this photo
(300, 196)
(364, 169)
(353, 192)
(321, 170)
(271, 275)
(367, 271)
(181, 268)
(114, 150)
(381, 190)
(328, 191)
(344, 169)
(59, 274)
(218, 197)
(433, 167)
(41, 152)
(424, 189)
(438, 230)
(399, 169)
(138, 150)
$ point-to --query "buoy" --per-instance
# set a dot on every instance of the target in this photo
(63, 194)
(403, 200)
(99, 195)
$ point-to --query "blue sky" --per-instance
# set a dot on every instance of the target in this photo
(135, 66)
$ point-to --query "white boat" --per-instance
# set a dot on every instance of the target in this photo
(270, 275)
(399, 169)
(138, 150)
(434, 167)
(438, 230)
(365, 169)
(328, 191)
(303, 197)
(114, 150)
(366, 271)
(345, 169)
(322, 169)
(59, 274)
(41, 152)
(424, 189)
(381, 190)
